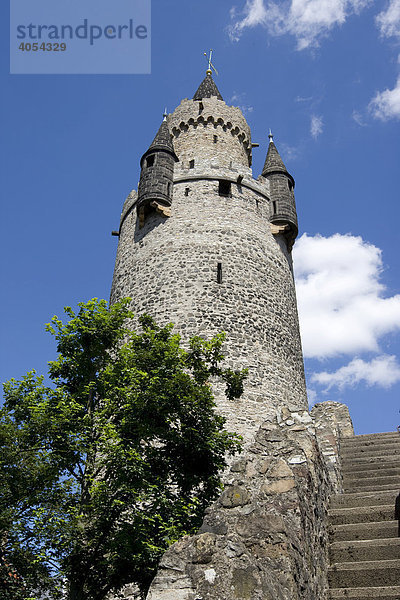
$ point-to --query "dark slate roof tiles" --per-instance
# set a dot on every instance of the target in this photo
(207, 89)
(162, 141)
(273, 162)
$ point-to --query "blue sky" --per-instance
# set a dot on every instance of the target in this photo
(323, 74)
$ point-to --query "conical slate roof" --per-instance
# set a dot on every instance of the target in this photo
(273, 162)
(207, 89)
(162, 141)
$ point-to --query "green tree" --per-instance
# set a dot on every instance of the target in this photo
(112, 462)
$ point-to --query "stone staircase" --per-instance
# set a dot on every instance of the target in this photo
(365, 542)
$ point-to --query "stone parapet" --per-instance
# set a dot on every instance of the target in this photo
(210, 128)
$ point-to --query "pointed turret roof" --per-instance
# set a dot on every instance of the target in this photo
(207, 88)
(273, 162)
(162, 141)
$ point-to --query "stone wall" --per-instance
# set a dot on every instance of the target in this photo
(332, 423)
(266, 537)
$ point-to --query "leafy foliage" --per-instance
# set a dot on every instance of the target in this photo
(114, 461)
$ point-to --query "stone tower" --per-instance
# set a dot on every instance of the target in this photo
(206, 246)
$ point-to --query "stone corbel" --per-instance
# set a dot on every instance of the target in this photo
(277, 229)
(165, 211)
(285, 231)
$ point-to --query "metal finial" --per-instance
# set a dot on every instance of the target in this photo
(271, 136)
(165, 114)
(210, 65)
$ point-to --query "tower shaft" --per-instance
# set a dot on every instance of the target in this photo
(214, 265)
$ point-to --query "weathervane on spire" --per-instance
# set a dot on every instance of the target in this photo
(165, 114)
(271, 136)
(210, 65)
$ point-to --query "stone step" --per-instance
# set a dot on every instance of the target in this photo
(364, 535)
(364, 531)
(369, 488)
(355, 452)
(362, 593)
(363, 443)
(378, 479)
(363, 461)
(384, 471)
(375, 573)
(363, 550)
(365, 467)
(363, 514)
(350, 454)
(369, 437)
(364, 498)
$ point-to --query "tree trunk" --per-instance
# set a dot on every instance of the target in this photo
(76, 590)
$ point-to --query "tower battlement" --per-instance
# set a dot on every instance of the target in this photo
(209, 127)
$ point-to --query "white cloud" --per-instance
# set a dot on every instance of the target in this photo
(254, 13)
(341, 300)
(386, 105)
(312, 396)
(359, 118)
(239, 99)
(383, 371)
(317, 126)
(307, 20)
(307, 99)
(388, 20)
(290, 152)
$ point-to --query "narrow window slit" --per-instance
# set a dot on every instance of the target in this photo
(219, 272)
(191, 164)
(187, 190)
(274, 207)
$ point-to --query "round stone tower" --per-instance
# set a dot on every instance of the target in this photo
(209, 256)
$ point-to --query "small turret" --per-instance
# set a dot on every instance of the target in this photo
(157, 174)
(283, 207)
